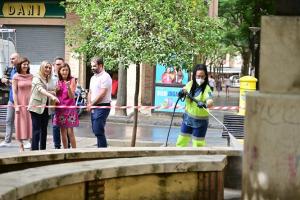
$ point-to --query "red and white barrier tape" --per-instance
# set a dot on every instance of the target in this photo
(128, 107)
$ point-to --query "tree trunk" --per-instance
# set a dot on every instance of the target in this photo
(136, 98)
(246, 60)
(122, 90)
(198, 59)
(256, 60)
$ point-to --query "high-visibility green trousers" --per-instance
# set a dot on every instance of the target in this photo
(183, 141)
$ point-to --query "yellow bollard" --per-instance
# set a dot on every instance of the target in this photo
(247, 84)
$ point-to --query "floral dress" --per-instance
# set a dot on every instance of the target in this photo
(65, 117)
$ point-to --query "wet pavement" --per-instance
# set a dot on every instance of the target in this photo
(152, 127)
(123, 132)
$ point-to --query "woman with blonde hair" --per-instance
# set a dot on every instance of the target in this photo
(40, 98)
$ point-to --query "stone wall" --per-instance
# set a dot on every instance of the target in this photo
(161, 177)
(13, 162)
(271, 152)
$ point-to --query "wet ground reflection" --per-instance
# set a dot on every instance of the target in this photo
(147, 133)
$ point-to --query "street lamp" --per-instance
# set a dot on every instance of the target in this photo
(255, 46)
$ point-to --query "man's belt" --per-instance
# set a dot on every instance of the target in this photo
(103, 104)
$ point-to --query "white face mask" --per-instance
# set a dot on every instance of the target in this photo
(199, 81)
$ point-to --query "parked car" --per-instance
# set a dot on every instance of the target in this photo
(235, 80)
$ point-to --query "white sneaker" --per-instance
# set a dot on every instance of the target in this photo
(5, 144)
(27, 145)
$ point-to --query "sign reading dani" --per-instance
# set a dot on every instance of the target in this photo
(23, 9)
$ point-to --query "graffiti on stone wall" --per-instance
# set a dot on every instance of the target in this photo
(276, 113)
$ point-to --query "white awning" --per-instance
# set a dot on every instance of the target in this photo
(231, 70)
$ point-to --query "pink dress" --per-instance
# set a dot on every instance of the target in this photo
(23, 118)
(166, 78)
(65, 117)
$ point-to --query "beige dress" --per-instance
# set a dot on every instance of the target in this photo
(23, 118)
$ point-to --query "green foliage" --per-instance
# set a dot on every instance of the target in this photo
(239, 15)
(150, 31)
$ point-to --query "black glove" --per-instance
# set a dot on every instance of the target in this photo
(181, 94)
(201, 105)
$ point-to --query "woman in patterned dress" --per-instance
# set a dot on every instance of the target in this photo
(21, 92)
(66, 118)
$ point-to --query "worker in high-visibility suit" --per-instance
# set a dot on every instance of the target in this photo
(195, 118)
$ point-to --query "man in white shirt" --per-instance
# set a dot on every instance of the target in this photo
(99, 95)
(58, 62)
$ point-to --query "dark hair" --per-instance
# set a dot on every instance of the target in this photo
(69, 75)
(19, 64)
(203, 85)
(97, 60)
(59, 58)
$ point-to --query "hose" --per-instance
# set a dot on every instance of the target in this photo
(179, 98)
(231, 139)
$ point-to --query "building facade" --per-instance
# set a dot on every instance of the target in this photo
(40, 28)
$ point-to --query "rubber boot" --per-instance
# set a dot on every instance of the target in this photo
(183, 140)
(199, 143)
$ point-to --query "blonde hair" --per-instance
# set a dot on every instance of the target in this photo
(42, 70)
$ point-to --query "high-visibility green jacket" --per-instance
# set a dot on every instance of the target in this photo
(191, 107)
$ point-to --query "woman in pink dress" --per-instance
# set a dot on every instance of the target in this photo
(66, 118)
(21, 85)
(168, 76)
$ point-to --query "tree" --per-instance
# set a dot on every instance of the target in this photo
(239, 15)
(217, 57)
(216, 48)
(135, 31)
(122, 90)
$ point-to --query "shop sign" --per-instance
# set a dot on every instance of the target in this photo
(23, 9)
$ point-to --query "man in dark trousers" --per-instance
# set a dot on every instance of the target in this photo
(99, 95)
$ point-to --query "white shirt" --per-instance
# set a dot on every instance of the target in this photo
(99, 81)
(227, 82)
(52, 82)
(211, 82)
